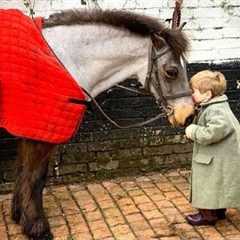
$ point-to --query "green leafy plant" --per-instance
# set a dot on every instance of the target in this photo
(30, 6)
(226, 5)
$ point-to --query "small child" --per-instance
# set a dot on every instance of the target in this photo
(215, 179)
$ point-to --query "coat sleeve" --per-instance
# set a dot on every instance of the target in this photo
(217, 128)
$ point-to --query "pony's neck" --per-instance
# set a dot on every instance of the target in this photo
(98, 57)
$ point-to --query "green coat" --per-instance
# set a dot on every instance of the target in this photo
(215, 180)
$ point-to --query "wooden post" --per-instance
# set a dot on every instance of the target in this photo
(176, 18)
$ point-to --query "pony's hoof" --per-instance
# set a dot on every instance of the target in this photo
(46, 236)
(37, 230)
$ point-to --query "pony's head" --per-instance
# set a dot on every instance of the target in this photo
(167, 76)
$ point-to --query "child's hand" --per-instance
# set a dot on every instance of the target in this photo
(188, 132)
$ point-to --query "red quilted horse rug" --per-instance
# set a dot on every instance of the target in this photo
(35, 90)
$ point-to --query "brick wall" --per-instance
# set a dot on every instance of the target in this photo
(99, 150)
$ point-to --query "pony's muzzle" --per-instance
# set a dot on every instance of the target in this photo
(180, 114)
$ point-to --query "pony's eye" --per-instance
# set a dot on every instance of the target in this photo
(171, 73)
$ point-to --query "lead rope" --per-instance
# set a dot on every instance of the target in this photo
(160, 115)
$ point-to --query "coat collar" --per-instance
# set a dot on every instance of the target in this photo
(222, 98)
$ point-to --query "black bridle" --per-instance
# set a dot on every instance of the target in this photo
(152, 78)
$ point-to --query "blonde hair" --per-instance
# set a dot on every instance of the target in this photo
(209, 80)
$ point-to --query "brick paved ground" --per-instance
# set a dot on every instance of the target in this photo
(145, 207)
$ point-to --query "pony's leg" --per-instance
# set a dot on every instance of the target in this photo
(16, 208)
(35, 158)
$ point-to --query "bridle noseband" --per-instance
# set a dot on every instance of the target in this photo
(152, 78)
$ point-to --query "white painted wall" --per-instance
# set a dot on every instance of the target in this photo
(212, 25)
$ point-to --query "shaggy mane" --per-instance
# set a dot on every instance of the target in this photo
(138, 24)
